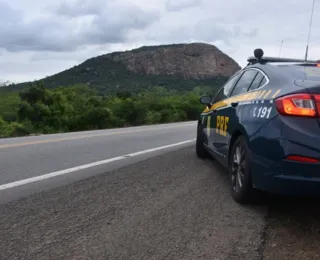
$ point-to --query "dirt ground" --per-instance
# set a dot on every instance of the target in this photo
(293, 229)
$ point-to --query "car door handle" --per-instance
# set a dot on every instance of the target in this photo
(234, 104)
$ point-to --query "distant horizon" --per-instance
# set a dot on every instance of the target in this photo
(129, 49)
(241, 63)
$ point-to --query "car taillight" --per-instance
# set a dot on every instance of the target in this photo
(298, 158)
(299, 105)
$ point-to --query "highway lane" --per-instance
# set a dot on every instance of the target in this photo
(172, 206)
(166, 204)
(29, 157)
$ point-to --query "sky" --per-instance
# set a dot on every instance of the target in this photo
(41, 38)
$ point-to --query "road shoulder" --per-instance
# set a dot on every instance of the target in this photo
(173, 206)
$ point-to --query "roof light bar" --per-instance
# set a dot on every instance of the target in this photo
(259, 58)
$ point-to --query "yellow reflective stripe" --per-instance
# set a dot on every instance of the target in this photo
(257, 95)
(262, 93)
(251, 96)
(244, 97)
(275, 94)
(268, 93)
(208, 125)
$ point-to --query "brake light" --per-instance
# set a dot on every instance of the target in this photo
(318, 65)
(298, 158)
(299, 105)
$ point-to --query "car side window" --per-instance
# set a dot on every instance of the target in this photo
(259, 80)
(225, 90)
(244, 82)
(263, 81)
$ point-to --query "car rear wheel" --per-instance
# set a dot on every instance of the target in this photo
(239, 172)
(200, 149)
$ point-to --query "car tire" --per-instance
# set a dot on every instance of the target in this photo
(242, 190)
(200, 149)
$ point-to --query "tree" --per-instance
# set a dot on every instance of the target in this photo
(79, 107)
(4, 83)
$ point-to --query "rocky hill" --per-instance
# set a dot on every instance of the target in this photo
(189, 61)
(177, 66)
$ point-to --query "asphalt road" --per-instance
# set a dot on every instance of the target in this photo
(73, 156)
(163, 204)
(172, 206)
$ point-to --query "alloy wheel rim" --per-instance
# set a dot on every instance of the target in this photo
(237, 168)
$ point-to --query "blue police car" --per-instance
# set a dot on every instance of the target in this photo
(263, 125)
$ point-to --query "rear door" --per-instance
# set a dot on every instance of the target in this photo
(221, 125)
(227, 116)
(255, 114)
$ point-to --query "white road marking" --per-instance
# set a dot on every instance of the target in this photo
(86, 166)
(69, 138)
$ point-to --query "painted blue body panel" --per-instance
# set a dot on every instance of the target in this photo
(272, 138)
(281, 137)
(220, 142)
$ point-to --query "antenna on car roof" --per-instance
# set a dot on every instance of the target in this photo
(259, 58)
(307, 48)
(280, 48)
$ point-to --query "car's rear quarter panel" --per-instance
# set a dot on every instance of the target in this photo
(274, 138)
(272, 144)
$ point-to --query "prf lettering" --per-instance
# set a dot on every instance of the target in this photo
(222, 125)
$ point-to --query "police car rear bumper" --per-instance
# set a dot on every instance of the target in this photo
(287, 176)
(289, 184)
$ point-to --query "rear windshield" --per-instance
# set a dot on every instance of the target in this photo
(306, 72)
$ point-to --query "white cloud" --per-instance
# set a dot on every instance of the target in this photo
(178, 5)
(39, 38)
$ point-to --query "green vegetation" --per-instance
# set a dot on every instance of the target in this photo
(38, 109)
(103, 93)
